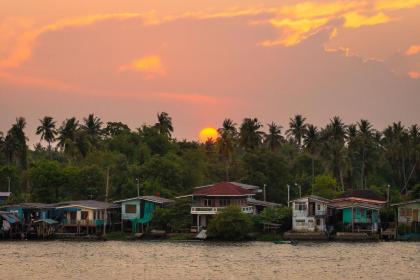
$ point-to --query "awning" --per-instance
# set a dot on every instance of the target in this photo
(11, 218)
(69, 209)
(48, 221)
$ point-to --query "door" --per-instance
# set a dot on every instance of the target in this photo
(416, 215)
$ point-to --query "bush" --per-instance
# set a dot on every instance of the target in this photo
(230, 224)
(278, 215)
(175, 218)
(325, 186)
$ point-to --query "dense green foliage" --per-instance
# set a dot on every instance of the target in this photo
(174, 219)
(79, 159)
(230, 224)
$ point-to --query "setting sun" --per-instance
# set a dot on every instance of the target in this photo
(207, 133)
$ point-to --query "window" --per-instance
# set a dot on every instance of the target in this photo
(84, 215)
(208, 202)
(318, 207)
(300, 206)
(130, 208)
(224, 202)
(300, 222)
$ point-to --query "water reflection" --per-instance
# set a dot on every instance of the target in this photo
(183, 260)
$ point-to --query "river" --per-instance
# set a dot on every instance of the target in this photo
(202, 260)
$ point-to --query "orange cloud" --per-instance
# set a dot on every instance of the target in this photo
(294, 31)
(396, 4)
(295, 22)
(355, 20)
(414, 74)
(27, 40)
(151, 66)
(413, 50)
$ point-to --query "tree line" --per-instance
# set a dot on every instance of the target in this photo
(78, 159)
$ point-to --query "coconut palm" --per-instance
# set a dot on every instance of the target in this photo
(47, 130)
(164, 124)
(18, 137)
(273, 138)
(297, 129)
(226, 143)
(333, 148)
(250, 135)
(67, 133)
(311, 145)
(93, 128)
(365, 142)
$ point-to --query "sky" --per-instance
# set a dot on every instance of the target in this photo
(203, 61)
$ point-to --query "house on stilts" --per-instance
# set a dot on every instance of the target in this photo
(137, 212)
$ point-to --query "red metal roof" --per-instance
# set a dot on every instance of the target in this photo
(222, 189)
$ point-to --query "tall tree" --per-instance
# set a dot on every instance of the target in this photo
(164, 124)
(311, 143)
(47, 130)
(273, 138)
(226, 143)
(366, 148)
(93, 128)
(250, 134)
(17, 138)
(297, 129)
(67, 133)
(333, 150)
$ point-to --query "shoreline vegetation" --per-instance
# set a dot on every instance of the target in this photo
(90, 160)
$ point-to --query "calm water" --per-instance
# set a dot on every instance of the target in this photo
(166, 260)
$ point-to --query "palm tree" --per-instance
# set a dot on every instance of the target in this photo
(226, 143)
(93, 128)
(249, 133)
(297, 129)
(18, 138)
(47, 130)
(365, 143)
(333, 147)
(274, 138)
(164, 124)
(67, 133)
(310, 142)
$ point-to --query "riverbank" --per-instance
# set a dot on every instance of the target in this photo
(208, 260)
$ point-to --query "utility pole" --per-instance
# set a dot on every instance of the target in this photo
(138, 187)
(106, 199)
(264, 193)
(288, 195)
(387, 194)
(8, 179)
(300, 189)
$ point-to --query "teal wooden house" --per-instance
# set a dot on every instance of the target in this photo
(358, 211)
(138, 211)
(408, 219)
(29, 212)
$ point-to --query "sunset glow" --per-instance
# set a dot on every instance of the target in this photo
(203, 60)
(208, 133)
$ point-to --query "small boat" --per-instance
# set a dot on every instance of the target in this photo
(291, 242)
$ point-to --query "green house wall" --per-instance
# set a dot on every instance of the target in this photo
(360, 215)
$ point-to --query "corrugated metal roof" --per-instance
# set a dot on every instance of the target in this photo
(31, 205)
(365, 194)
(152, 198)
(91, 204)
(263, 203)
(406, 202)
(222, 189)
